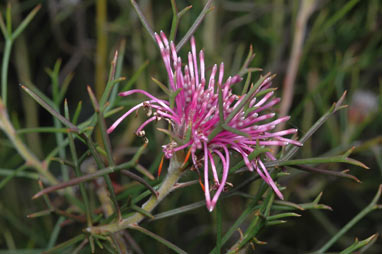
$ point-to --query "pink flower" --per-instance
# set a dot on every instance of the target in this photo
(210, 128)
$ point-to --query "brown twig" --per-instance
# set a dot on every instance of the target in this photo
(306, 9)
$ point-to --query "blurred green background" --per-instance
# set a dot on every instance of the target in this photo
(330, 47)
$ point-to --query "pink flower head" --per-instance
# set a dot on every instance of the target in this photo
(196, 120)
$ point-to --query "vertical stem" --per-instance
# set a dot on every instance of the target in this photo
(175, 20)
(101, 55)
(78, 170)
(57, 124)
(22, 64)
(29, 105)
(4, 70)
(209, 33)
(107, 179)
(218, 227)
(101, 51)
(306, 9)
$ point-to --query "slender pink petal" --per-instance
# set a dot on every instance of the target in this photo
(119, 120)
(221, 73)
(202, 68)
(159, 101)
(225, 162)
(183, 146)
(194, 58)
(270, 180)
(145, 123)
(213, 168)
(206, 181)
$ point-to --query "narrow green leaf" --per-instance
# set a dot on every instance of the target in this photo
(159, 239)
(19, 172)
(140, 180)
(143, 19)
(173, 96)
(335, 107)
(135, 77)
(65, 244)
(282, 215)
(77, 112)
(339, 14)
(236, 131)
(185, 9)
(171, 135)
(8, 19)
(372, 206)
(249, 210)
(64, 87)
(142, 211)
(118, 70)
(76, 166)
(56, 231)
(246, 84)
(42, 130)
(22, 251)
(40, 213)
(3, 27)
(221, 108)
(318, 160)
(195, 25)
(83, 178)
(275, 222)
(359, 244)
(50, 109)
(93, 99)
(109, 87)
(174, 22)
(25, 22)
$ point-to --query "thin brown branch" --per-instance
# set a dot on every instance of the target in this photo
(306, 9)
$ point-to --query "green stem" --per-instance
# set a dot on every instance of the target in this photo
(372, 206)
(21, 148)
(78, 171)
(175, 22)
(175, 171)
(101, 50)
(218, 226)
(143, 19)
(194, 26)
(107, 145)
(107, 179)
(100, 172)
(249, 210)
(319, 160)
(256, 225)
(4, 70)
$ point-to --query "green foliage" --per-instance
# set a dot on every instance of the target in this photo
(66, 186)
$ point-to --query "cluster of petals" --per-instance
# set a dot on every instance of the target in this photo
(195, 115)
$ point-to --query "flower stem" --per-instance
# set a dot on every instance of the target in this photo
(371, 207)
(175, 171)
(4, 70)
